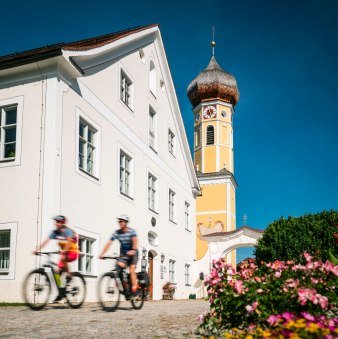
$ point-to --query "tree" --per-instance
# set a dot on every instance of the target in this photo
(288, 239)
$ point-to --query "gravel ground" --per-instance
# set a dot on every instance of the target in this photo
(157, 319)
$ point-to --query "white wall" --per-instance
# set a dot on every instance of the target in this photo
(91, 205)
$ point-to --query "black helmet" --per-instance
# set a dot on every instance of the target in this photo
(61, 218)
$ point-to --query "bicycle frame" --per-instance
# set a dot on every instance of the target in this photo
(49, 269)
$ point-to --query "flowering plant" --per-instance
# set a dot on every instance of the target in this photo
(253, 294)
(168, 288)
(288, 325)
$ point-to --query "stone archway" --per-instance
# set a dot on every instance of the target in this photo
(244, 236)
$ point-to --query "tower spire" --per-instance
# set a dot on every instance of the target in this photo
(213, 43)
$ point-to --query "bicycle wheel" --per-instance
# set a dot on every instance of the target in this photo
(138, 299)
(76, 290)
(36, 289)
(108, 292)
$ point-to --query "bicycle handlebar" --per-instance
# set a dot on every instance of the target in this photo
(47, 253)
(110, 257)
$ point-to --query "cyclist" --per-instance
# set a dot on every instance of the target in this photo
(128, 248)
(69, 249)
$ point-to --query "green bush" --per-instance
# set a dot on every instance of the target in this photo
(287, 239)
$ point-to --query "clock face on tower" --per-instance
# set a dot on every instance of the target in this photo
(209, 112)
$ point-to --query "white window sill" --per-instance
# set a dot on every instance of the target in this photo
(88, 176)
(127, 197)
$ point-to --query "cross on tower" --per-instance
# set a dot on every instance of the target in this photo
(213, 43)
(245, 219)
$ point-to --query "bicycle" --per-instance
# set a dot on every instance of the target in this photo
(109, 289)
(37, 286)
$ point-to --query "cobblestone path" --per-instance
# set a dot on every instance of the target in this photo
(159, 319)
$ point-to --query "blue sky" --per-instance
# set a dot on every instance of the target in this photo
(284, 55)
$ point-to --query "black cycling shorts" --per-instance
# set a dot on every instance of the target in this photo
(129, 260)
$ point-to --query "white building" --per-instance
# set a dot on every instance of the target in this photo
(92, 129)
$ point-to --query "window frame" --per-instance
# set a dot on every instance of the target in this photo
(83, 255)
(95, 237)
(130, 155)
(95, 177)
(18, 103)
(187, 214)
(13, 228)
(154, 188)
(198, 136)
(172, 271)
(187, 274)
(172, 206)
(88, 128)
(126, 75)
(213, 135)
(171, 142)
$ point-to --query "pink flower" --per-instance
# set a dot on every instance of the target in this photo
(308, 257)
(258, 279)
(335, 270)
(309, 265)
(306, 294)
(308, 316)
(251, 308)
(231, 271)
(278, 274)
(273, 319)
(323, 301)
(239, 286)
(328, 266)
(259, 291)
(288, 316)
(201, 317)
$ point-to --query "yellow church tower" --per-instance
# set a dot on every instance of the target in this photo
(213, 95)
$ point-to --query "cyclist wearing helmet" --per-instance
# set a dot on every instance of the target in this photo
(128, 248)
(68, 245)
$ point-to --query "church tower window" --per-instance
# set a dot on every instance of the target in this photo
(210, 135)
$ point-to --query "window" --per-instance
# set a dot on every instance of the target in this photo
(8, 120)
(198, 136)
(210, 135)
(87, 136)
(86, 255)
(126, 87)
(125, 173)
(187, 274)
(172, 203)
(172, 264)
(152, 194)
(171, 142)
(187, 216)
(152, 78)
(152, 128)
(5, 243)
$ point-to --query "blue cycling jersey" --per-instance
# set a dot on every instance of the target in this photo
(125, 239)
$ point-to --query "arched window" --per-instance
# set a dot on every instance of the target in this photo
(152, 78)
(210, 135)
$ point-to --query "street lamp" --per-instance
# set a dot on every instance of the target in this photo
(162, 257)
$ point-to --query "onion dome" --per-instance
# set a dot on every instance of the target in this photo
(213, 83)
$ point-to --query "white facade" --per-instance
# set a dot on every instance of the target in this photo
(53, 97)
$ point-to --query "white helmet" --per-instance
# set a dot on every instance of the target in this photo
(123, 217)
